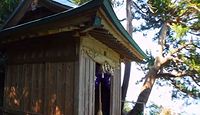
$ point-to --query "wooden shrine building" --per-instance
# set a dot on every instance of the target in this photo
(62, 60)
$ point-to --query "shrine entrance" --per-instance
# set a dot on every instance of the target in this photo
(102, 91)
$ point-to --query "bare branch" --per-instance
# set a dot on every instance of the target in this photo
(183, 89)
(138, 8)
(151, 8)
(194, 33)
(122, 19)
(195, 7)
(175, 59)
(179, 49)
(162, 37)
(196, 46)
(197, 83)
(174, 74)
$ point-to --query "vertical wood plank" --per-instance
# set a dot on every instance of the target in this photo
(33, 87)
(86, 85)
(46, 81)
(22, 84)
(31, 83)
(58, 109)
(64, 67)
(92, 87)
(115, 106)
(59, 81)
(62, 88)
(7, 86)
(41, 87)
(79, 87)
(70, 88)
(82, 86)
(112, 93)
(26, 88)
(52, 88)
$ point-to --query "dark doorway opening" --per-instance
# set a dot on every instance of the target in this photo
(102, 91)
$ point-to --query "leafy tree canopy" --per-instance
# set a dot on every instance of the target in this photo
(178, 45)
(79, 2)
(6, 8)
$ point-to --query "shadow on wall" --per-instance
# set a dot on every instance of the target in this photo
(36, 89)
(16, 101)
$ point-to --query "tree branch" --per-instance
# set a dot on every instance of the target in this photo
(162, 37)
(175, 59)
(197, 83)
(196, 46)
(138, 8)
(194, 33)
(179, 49)
(195, 7)
(193, 95)
(173, 75)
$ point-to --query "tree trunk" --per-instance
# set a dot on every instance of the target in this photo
(145, 92)
(125, 82)
(151, 75)
(127, 64)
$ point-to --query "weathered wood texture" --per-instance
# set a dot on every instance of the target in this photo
(92, 52)
(40, 77)
(53, 48)
(45, 88)
(116, 93)
(86, 88)
(57, 77)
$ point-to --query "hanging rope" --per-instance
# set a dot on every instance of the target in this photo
(100, 103)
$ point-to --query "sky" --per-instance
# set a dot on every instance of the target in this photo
(159, 95)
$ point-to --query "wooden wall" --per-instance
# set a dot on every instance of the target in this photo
(40, 77)
(85, 88)
(46, 76)
(45, 88)
(116, 93)
(92, 52)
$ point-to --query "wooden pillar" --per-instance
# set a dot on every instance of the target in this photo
(115, 104)
(85, 86)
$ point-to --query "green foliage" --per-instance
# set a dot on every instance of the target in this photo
(154, 109)
(115, 3)
(187, 88)
(6, 8)
(193, 62)
(179, 30)
(79, 2)
(127, 107)
(181, 42)
(160, 6)
(150, 60)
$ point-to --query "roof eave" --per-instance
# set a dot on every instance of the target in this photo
(112, 16)
(107, 8)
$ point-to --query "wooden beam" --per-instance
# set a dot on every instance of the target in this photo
(18, 13)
